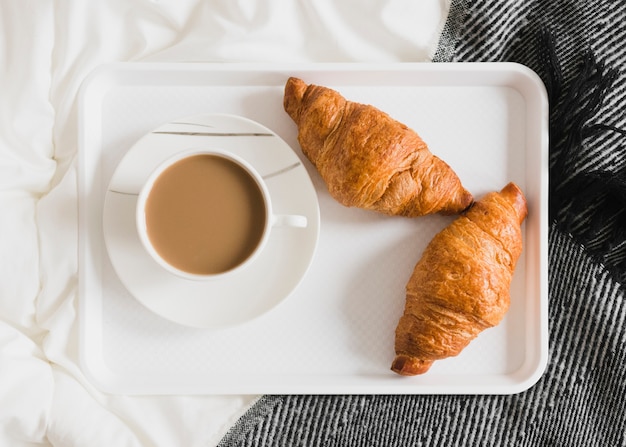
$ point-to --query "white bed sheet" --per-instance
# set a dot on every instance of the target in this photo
(47, 48)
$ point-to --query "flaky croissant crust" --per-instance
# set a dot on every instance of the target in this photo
(461, 284)
(369, 160)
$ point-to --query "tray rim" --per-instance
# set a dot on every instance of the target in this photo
(531, 84)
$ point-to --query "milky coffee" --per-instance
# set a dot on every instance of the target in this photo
(205, 214)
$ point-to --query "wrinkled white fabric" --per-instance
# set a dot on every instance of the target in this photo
(47, 48)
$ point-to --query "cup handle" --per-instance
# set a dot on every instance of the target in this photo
(289, 220)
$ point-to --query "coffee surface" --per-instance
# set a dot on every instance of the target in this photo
(205, 214)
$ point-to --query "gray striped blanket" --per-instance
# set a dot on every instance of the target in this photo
(578, 48)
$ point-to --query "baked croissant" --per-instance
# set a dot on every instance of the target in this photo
(368, 159)
(460, 286)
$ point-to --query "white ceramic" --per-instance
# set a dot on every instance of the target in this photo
(335, 333)
(295, 221)
(241, 295)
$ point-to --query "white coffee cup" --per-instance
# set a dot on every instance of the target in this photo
(203, 214)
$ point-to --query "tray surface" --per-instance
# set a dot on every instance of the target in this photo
(334, 333)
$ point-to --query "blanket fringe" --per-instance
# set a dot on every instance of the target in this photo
(587, 180)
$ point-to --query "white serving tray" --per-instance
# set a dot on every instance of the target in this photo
(335, 333)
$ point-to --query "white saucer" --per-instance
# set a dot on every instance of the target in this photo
(247, 294)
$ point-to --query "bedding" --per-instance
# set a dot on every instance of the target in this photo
(47, 49)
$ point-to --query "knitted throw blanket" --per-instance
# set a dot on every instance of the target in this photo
(578, 47)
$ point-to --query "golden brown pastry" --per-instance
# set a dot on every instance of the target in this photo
(461, 284)
(368, 159)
